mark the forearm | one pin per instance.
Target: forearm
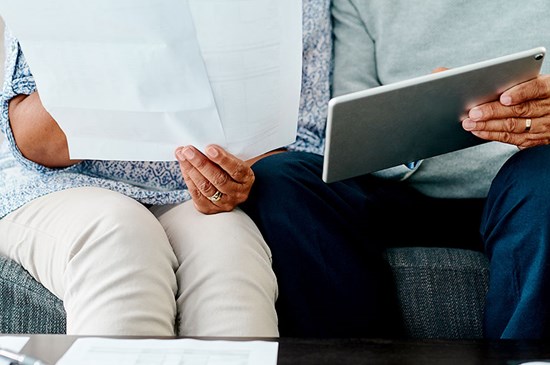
(38, 136)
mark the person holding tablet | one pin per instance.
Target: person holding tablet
(327, 239)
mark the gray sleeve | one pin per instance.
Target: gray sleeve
(355, 63)
(354, 53)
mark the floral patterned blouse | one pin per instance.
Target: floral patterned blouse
(156, 183)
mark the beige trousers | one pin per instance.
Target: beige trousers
(122, 269)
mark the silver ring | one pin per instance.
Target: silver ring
(528, 122)
(216, 197)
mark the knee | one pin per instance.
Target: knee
(287, 166)
(114, 225)
(525, 172)
(283, 174)
(235, 244)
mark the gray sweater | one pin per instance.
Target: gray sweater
(383, 41)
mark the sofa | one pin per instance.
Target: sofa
(441, 293)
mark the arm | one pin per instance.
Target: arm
(38, 136)
(355, 64)
(354, 51)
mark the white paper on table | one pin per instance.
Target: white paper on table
(104, 351)
(12, 343)
(126, 79)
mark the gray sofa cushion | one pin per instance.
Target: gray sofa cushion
(25, 305)
(441, 292)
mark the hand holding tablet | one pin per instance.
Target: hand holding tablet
(418, 118)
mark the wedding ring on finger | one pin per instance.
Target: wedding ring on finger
(528, 122)
(216, 197)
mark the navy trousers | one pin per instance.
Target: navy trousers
(327, 242)
(516, 231)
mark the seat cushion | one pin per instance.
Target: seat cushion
(26, 306)
(441, 291)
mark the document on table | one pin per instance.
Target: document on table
(134, 79)
(12, 343)
(88, 351)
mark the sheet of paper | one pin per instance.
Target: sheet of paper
(13, 343)
(88, 351)
(253, 54)
(134, 79)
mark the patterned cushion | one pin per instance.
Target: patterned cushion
(441, 292)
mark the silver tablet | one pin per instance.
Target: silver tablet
(418, 118)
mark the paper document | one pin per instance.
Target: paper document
(92, 351)
(13, 343)
(134, 79)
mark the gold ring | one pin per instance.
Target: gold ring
(528, 122)
(216, 197)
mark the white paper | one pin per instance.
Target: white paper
(92, 351)
(134, 79)
(12, 343)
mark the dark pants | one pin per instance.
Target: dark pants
(327, 242)
(516, 231)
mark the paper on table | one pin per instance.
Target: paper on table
(13, 343)
(88, 351)
(126, 79)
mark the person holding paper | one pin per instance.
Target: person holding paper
(327, 239)
(125, 244)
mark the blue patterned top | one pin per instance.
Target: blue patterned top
(154, 183)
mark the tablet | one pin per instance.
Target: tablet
(418, 118)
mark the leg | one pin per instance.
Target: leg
(327, 242)
(516, 232)
(226, 284)
(332, 281)
(103, 254)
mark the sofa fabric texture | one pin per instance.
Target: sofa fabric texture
(441, 293)
(25, 305)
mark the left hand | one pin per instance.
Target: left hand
(520, 117)
(217, 172)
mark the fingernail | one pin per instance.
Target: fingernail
(505, 99)
(475, 113)
(468, 124)
(211, 151)
(188, 153)
(179, 153)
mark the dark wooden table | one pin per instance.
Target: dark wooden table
(359, 351)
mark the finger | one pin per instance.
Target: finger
(521, 140)
(216, 177)
(495, 110)
(200, 201)
(510, 125)
(236, 168)
(202, 184)
(538, 88)
(190, 173)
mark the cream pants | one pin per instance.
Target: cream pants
(123, 269)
